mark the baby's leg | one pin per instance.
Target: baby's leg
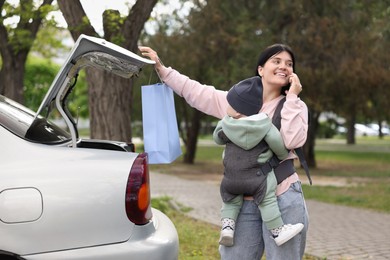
(229, 213)
(271, 215)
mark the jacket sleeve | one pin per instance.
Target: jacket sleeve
(294, 122)
(275, 143)
(216, 132)
(204, 98)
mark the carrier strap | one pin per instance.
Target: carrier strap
(286, 168)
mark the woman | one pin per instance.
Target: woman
(276, 69)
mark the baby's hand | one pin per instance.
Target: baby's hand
(264, 157)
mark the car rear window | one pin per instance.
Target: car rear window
(22, 122)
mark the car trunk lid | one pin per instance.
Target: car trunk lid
(93, 52)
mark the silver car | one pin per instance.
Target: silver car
(64, 197)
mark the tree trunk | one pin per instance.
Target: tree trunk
(11, 78)
(380, 134)
(351, 129)
(311, 137)
(110, 97)
(189, 132)
(110, 106)
(192, 137)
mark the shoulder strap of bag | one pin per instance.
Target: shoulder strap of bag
(276, 120)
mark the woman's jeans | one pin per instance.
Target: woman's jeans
(251, 236)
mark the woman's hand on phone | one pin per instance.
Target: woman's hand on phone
(295, 84)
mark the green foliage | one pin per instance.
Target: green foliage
(20, 34)
(21, 40)
(50, 42)
(214, 42)
(78, 100)
(340, 56)
(113, 22)
(326, 130)
(19, 21)
(39, 75)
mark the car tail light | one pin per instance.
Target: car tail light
(138, 192)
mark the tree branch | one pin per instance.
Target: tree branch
(34, 26)
(135, 22)
(3, 42)
(76, 18)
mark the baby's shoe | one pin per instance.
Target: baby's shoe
(227, 232)
(284, 233)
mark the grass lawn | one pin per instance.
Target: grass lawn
(364, 169)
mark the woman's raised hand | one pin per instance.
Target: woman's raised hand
(151, 54)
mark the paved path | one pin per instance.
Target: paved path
(335, 232)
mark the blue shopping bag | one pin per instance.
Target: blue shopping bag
(160, 129)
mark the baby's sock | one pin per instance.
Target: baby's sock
(275, 231)
(228, 223)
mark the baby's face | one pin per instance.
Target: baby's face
(232, 113)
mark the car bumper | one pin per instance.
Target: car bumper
(154, 241)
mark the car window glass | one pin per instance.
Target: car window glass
(20, 121)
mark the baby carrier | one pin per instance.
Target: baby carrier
(286, 168)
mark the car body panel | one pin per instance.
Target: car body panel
(158, 243)
(18, 205)
(105, 171)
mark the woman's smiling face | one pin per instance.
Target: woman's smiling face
(277, 69)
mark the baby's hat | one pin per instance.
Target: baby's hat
(246, 97)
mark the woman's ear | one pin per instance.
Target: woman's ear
(260, 71)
